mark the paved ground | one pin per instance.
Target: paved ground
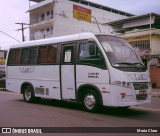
(14, 112)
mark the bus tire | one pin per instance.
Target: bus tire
(124, 108)
(28, 94)
(90, 101)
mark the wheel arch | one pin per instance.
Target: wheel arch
(24, 85)
(82, 88)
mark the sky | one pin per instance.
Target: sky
(15, 11)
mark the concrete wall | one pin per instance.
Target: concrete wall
(155, 49)
(65, 24)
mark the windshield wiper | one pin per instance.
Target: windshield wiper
(140, 64)
(127, 63)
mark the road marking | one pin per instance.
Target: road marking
(144, 108)
(7, 92)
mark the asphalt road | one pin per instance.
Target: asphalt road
(14, 112)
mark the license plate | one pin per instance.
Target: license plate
(142, 95)
(142, 92)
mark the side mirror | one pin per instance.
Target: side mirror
(90, 41)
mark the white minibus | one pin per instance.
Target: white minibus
(93, 69)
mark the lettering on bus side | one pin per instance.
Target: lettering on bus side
(26, 69)
(93, 75)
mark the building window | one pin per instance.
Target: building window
(51, 13)
(48, 13)
(42, 16)
(143, 44)
(142, 47)
(48, 29)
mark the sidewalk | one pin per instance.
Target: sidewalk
(155, 92)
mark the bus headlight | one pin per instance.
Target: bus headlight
(122, 84)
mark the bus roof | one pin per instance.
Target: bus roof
(59, 39)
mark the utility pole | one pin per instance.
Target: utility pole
(22, 29)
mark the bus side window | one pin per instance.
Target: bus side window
(32, 57)
(42, 55)
(52, 54)
(14, 57)
(89, 53)
(24, 56)
(83, 54)
(92, 50)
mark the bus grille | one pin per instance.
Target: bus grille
(140, 86)
(141, 96)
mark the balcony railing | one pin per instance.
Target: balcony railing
(40, 20)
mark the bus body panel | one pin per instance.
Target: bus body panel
(91, 74)
(46, 77)
(33, 72)
(68, 82)
(42, 88)
(129, 99)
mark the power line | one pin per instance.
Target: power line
(9, 36)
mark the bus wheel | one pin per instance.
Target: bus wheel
(90, 101)
(28, 94)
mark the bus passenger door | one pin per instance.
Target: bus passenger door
(67, 72)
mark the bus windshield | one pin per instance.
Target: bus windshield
(119, 52)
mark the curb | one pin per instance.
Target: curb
(155, 94)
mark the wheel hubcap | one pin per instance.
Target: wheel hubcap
(27, 94)
(90, 101)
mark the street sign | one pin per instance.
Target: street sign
(82, 13)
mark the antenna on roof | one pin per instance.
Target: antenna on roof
(97, 24)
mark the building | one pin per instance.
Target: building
(51, 18)
(143, 33)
